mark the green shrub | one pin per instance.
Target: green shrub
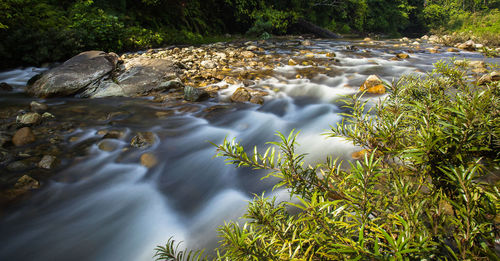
(419, 193)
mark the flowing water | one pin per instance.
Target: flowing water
(107, 206)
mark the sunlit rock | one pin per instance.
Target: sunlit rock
(373, 84)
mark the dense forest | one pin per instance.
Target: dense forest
(38, 31)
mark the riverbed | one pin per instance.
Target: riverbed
(103, 204)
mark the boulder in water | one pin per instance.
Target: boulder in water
(194, 94)
(74, 75)
(47, 162)
(373, 84)
(148, 160)
(143, 140)
(30, 118)
(38, 106)
(5, 87)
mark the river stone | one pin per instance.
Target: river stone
(148, 160)
(241, 95)
(5, 87)
(23, 137)
(26, 182)
(194, 94)
(373, 84)
(48, 115)
(74, 75)
(489, 78)
(30, 118)
(107, 145)
(47, 162)
(38, 107)
(247, 54)
(403, 55)
(143, 140)
(4, 138)
(208, 64)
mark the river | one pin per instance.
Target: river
(104, 205)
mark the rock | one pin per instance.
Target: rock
(194, 94)
(257, 99)
(247, 54)
(489, 78)
(26, 183)
(111, 134)
(415, 43)
(468, 45)
(5, 87)
(358, 155)
(452, 50)
(107, 145)
(173, 84)
(306, 43)
(148, 160)
(291, 62)
(425, 37)
(4, 138)
(47, 162)
(38, 107)
(330, 55)
(30, 118)
(208, 64)
(477, 64)
(367, 39)
(23, 137)
(373, 84)
(140, 76)
(432, 50)
(47, 115)
(478, 46)
(18, 166)
(241, 95)
(252, 48)
(143, 140)
(74, 75)
(403, 55)
(434, 39)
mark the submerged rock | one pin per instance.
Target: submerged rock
(373, 84)
(38, 107)
(23, 137)
(403, 55)
(148, 160)
(74, 75)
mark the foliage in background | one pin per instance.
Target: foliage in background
(36, 31)
(427, 188)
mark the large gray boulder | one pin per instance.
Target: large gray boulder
(138, 76)
(74, 75)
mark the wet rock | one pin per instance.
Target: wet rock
(26, 183)
(47, 162)
(373, 84)
(38, 107)
(330, 55)
(403, 55)
(5, 87)
(358, 155)
(489, 78)
(433, 50)
(107, 145)
(74, 75)
(143, 140)
(247, 54)
(252, 48)
(367, 39)
(257, 99)
(194, 94)
(241, 95)
(47, 115)
(30, 118)
(18, 166)
(148, 160)
(23, 137)
(425, 37)
(434, 39)
(111, 134)
(292, 62)
(208, 64)
(173, 84)
(306, 43)
(452, 50)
